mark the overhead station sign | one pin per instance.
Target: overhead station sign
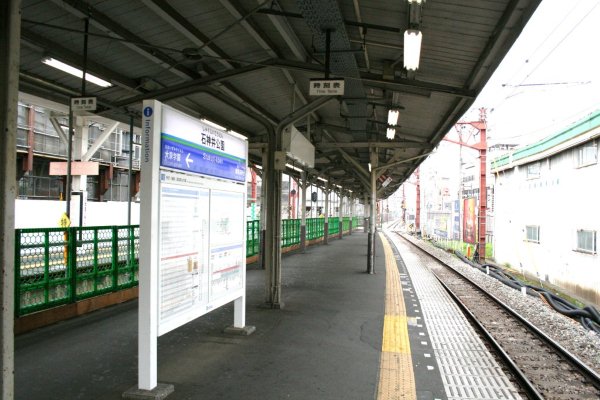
(83, 104)
(326, 87)
(190, 145)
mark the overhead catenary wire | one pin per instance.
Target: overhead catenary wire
(563, 28)
(559, 42)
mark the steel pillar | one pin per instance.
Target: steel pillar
(482, 187)
(272, 250)
(418, 211)
(263, 208)
(481, 146)
(326, 215)
(372, 215)
(341, 216)
(10, 33)
(303, 188)
(351, 210)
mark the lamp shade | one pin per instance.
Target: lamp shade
(412, 48)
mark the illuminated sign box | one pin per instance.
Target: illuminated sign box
(297, 147)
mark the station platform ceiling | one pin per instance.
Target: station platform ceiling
(247, 65)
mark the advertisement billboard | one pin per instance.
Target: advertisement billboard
(469, 221)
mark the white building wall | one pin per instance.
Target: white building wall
(47, 213)
(562, 200)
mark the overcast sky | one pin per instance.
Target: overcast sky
(550, 77)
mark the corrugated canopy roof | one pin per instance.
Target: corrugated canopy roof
(244, 63)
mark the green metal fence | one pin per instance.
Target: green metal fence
(346, 224)
(55, 266)
(252, 238)
(290, 232)
(333, 226)
(355, 222)
(315, 228)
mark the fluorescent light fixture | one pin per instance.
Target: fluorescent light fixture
(207, 122)
(391, 132)
(322, 179)
(75, 72)
(412, 48)
(369, 167)
(393, 117)
(415, 1)
(293, 167)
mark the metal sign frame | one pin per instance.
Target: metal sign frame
(187, 164)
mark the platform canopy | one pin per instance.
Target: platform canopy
(246, 64)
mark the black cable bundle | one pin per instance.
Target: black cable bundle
(588, 316)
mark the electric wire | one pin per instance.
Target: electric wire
(546, 39)
(541, 62)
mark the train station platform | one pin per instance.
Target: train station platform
(324, 344)
(342, 334)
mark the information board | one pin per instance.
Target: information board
(183, 251)
(192, 226)
(227, 256)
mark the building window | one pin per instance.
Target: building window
(533, 170)
(587, 154)
(586, 241)
(532, 233)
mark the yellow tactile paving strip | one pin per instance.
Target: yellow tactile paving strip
(396, 377)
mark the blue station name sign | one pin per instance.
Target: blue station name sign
(190, 145)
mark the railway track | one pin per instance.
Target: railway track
(542, 368)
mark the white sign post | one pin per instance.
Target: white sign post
(192, 231)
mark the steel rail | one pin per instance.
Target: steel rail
(526, 384)
(584, 369)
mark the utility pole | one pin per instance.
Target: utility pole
(403, 205)
(418, 211)
(481, 146)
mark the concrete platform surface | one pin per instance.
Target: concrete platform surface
(324, 344)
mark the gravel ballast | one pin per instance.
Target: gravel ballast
(567, 332)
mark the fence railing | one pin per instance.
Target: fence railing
(333, 226)
(55, 266)
(346, 223)
(465, 248)
(290, 232)
(315, 228)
